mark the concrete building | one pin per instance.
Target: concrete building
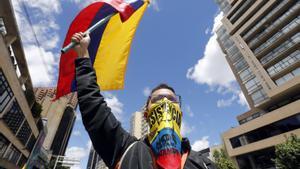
(139, 126)
(60, 115)
(95, 161)
(19, 130)
(261, 43)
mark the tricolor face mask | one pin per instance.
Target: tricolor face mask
(164, 119)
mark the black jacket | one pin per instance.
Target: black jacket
(109, 139)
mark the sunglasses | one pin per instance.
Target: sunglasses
(172, 98)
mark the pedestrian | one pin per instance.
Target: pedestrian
(162, 148)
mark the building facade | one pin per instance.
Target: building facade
(139, 125)
(60, 115)
(261, 43)
(95, 161)
(19, 130)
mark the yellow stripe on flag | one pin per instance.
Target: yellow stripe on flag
(111, 59)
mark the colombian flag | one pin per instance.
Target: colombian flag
(110, 43)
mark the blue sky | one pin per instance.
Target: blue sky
(175, 43)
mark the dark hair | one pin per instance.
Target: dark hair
(163, 86)
(160, 86)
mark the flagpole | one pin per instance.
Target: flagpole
(90, 30)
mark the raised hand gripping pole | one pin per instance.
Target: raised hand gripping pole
(90, 30)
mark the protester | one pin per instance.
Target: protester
(163, 148)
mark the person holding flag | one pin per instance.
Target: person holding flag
(164, 147)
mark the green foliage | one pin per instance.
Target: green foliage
(288, 153)
(36, 110)
(222, 160)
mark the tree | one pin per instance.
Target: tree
(222, 160)
(288, 153)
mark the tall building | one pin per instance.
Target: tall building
(139, 126)
(60, 115)
(261, 43)
(19, 130)
(95, 161)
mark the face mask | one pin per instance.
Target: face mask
(164, 119)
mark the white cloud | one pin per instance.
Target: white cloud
(213, 70)
(154, 5)
(201, 144)
(78, 153)
(146, 91)
(41, 60)
(41, 71)
(43, 20)
(217, 22)
(226, 102)
(115, 105)
(242, 100)
(89, 144)
(207, 30)
(78, 115)
(186, 129)
(83, 3)
(189, 111)
(47, 7)
(77, 133)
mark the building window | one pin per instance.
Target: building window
(241, 10)
(295, 23)
(264, 20)
(5, 92)
(271, 23)
(240, 65)
(3, 145)
(24, 133)
(224, 5)
(2, 27)
(288, 77)
(276, 128)
(235, 57)
(281, 49)
(285, 63)
(246, 74)
(261, 159)
(14, 117)
(31, 143)
(22, 161)
(252, 85)
(259, 96)
(12, 154)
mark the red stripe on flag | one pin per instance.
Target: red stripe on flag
(67, 66)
